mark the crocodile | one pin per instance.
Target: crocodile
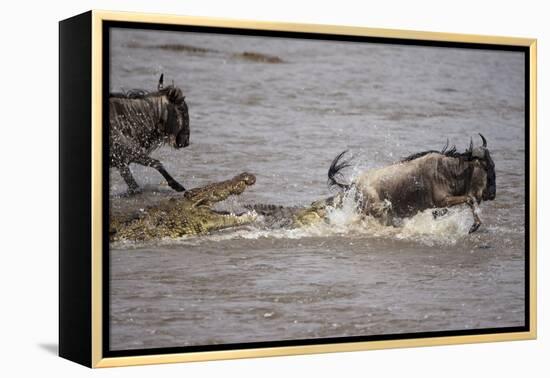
(188, 214)
(191, 213)
(290, 217)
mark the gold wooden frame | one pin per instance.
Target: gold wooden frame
(99, 16)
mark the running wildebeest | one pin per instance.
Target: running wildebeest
(141, 122)
(425, 180)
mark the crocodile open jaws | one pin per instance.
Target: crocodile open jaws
(187, 214)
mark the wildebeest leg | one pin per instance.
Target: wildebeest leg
(154, 163)
(475, 210)
(458, 200)
(453, 201)
(371, 204)
(128, 178)
(381, 210)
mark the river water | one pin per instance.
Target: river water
(284, 120)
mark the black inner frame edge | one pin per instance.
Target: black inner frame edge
(107, 25)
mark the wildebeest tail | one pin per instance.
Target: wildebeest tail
(334, 172)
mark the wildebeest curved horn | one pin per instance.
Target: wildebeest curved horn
(161, 81)
(484, 140)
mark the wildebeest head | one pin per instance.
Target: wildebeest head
(177, 122)
(483, 176)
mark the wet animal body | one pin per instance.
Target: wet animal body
(139, 123)
(425, 180)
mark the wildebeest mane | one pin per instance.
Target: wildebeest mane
(130, 94)
(173, 93)
(446, 151)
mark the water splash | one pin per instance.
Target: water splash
(348, 213)
(448, 229)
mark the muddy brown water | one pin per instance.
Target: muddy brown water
(284, 121)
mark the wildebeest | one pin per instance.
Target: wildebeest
(424, 180)
(140, 122)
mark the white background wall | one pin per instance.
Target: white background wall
(29, 189)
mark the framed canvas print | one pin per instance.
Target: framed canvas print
(235, 189)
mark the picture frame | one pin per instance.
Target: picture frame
(85, 267)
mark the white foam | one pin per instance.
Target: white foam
(447, 229)
(347, 214)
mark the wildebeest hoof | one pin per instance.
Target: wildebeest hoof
(133, 191)
(474, 227)
(439, 213)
